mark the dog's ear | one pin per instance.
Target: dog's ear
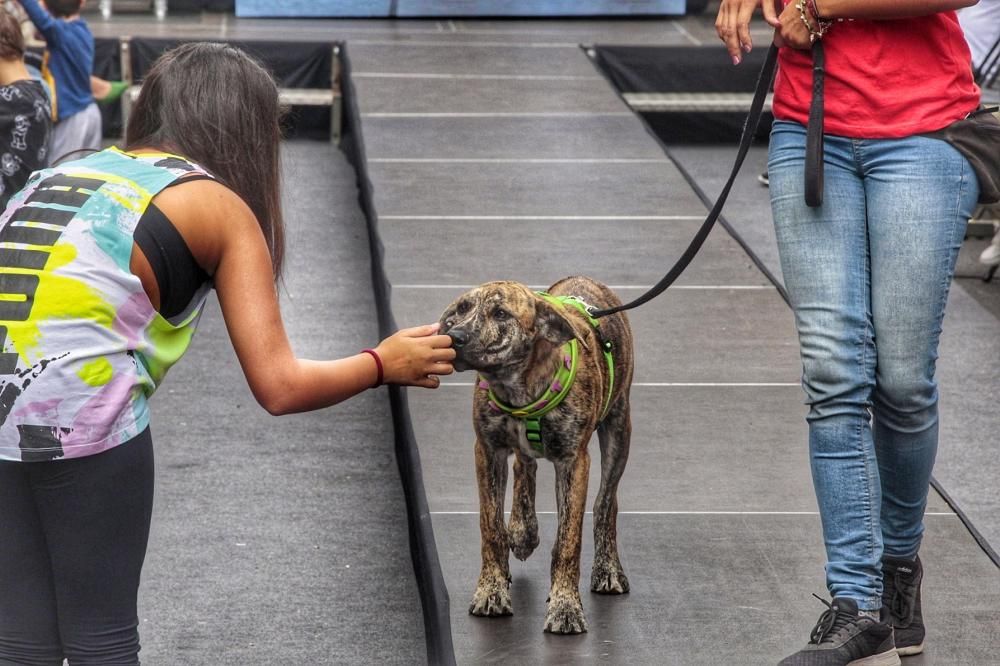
(554, 326)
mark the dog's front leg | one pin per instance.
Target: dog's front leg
(492, 596)
(565, 611)
(523, 521)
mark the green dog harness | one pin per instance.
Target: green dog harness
(561, 383)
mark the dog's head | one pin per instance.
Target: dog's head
(496, 327)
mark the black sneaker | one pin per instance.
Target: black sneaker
(901, 595)
(842, 637)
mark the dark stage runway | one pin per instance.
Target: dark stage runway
(495, 149)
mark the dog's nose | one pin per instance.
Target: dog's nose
(459, 338)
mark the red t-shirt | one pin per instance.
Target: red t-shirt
(884, 79)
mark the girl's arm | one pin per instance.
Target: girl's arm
(225, 239)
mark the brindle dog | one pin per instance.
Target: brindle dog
(514, 338)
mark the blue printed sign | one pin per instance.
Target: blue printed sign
(467, 8)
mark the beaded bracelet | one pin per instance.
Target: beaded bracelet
(814, 33)
(814, 10)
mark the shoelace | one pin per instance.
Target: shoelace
(903, 593)
(830, 622)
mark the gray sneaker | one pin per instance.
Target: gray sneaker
(991, 255)
(842, 637)
(901, 595)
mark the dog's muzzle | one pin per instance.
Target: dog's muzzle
(459, 339)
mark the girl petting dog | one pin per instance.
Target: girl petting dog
(110, 274)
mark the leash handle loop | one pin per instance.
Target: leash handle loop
(814, 131)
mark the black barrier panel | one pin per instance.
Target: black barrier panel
(293, 64)
(108, 65)
(423, 548)
(201, 5)
(686, 69)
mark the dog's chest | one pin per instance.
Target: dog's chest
(558, 434)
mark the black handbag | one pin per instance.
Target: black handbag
(977, 137)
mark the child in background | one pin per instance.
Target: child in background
(104, 91)
(25, 121)
(70, 54)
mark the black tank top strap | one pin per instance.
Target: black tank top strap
(178, 275)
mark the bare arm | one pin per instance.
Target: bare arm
(44, 21)
(887, 9)
(226, 240)
(733, 21)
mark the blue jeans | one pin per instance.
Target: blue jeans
(868, 275)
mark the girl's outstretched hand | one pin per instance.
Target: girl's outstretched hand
(733, 23)
(416, 356)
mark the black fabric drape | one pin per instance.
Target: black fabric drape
(108, 65)
(293, 64)
(686, 69)
(201, 5)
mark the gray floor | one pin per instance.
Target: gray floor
(496, 152)
(264, 528)
(478, 177)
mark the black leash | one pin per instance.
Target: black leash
(814, 132)
(764, 80)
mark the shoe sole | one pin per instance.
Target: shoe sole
(910, 650)
(890, 658)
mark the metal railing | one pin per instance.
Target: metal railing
(330, 97)
(159, 7)
(684, 102)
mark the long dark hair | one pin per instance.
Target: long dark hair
(215, 105)
(11, 39)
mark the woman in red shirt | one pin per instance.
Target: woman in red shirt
(867, 272)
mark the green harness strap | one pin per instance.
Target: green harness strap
(561, 383)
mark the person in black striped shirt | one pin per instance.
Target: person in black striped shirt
(25, 118)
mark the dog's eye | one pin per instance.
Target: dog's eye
(501, 315)
(462, 308)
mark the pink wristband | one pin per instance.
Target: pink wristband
(378, 364)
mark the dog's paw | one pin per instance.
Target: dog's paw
(565, 616)
(608, 580)
(523, 539)
(491, 601)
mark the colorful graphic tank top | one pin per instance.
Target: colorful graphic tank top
(82, 347)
